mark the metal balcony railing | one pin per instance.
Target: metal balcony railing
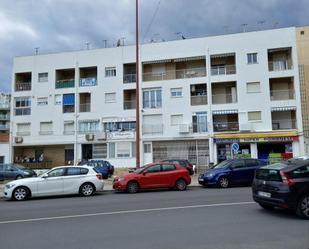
(5, 117)
(223, 99)
(65, 83)
(226, 126)
(129, 78)
(223, 70)
(129, 104)
(282, 94)
(4, 127)
(86, 107)
(283, 124)
(279, 65)
(149, 129)
(22, 86)
(175, 74)
(199, 100)
(90, 81)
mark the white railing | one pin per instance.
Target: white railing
(22, 86)
(282, 94)
(199, 100)
(224, 98)
(279, 65)
(284, 124)
(223, 69)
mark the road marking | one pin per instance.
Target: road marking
(124, 212)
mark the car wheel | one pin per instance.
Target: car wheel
(87, 189)
(132, 187)
(224, 182)
(20, 194)
(303, 207)
(266, 207)
(18, 177)
(181, 185)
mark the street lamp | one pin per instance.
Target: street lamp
(137, 141)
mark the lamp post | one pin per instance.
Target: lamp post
(137, 142)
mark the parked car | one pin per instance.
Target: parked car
(62, 180)
(283, 185)
(231, 172)
(152, 176)
(103, 166)
(184, 163)
(14, 171)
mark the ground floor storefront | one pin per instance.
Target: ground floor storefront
(271, 147)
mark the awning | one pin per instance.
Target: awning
(88, 120)
(68, 99)
(222, 55)
(282, 109)
(69, 121)
(222, 112)
(278, 50)
(190, 58)
(157, 61)
(257, 134)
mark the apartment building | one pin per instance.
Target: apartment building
(4, 127)
(197, 98)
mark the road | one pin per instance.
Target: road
(197, 218)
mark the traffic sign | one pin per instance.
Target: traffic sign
(235, 147)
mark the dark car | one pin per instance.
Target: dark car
(102, 166)
(14, 171)
(231, 172)
(283, 185)
(184, 163)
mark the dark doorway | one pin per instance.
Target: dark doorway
(1, 159)
(86, 151)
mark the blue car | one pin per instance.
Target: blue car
(231, 172)
(102, 166)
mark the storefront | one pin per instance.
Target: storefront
(269, 146)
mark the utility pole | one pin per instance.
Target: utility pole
(137, 142)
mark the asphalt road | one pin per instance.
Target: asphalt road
(197, 218)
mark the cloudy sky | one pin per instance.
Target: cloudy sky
(61, 25)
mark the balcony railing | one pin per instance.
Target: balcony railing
(84, 107)
(129, 78)
(90, 81)
(129, 104)
(223, 99)
(152, 129)
(175, 74)
(223, 70)
(44, 133)
(22, 86)
(199, 100)
(226, 126)
(282, 94)
(65, 83)
(5, 105)
(4, 127)
(23, 133)
(5, 117)
(283, 124)
(279, 65)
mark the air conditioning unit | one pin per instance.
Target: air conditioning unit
(89, 137)
(184, 128)
(101, 136)
(19, 140)
(245, 127)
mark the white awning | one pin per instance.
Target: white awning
(222, 55)
(69, 121)
(222, 112)
(156, 62)
(278, 49)
(88, 120)
(282, 109)
(190, 58)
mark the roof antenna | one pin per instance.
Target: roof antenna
(261, 24)
(36, 50)
(244, 26)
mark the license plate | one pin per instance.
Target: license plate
(264, 194)
(201, 179)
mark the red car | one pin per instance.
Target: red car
(155, 175)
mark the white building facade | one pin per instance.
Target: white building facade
(4, 127)
(197, 98)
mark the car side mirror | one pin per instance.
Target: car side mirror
(44, 176)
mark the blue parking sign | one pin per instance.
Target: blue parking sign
(235, 147)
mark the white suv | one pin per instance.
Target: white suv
(62, 180)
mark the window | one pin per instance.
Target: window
(238, 164)
(112, 151)
(68, 103)
(154, 169)
(123, 149)
(110, 97)
(42, 101)
(200, 122)
(88, 126)
(46, 128)
(76, 171)
(56, 172)
(302, 172)
(23, 129)
(253, 87)
(168, 167)
(22, 106)
(252, 58)
(255, 116)
(176, 92)
(147, 148)
(58, 99)
(120, 126)
(68, 128)
(99, 151)
(43, 77)
(110, 72)
(302, 32)
(152, 98)
(176, 119)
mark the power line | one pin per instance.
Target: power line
(152, 19)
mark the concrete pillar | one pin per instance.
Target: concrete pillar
(254, 150)
(296, 149)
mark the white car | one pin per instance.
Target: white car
(61, 180)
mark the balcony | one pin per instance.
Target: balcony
(129, 78)
(84, 107)
(199, 100)
(65, 83)
(22, 86)
(4, 127)
(4, 117)
(226, 126)
(282, 94)
(129, 73)
(282, 88)
(226, 122)
(283, 119)
(152, 129)
(90, 81)
(198, 94)
(84, 102)
(223, 69)
(88, 76)
(129, 99)
(224, 93)
(280, 59)
(284, 124)
(223, 64)
(129, 104)
(23, 81)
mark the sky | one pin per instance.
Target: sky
(64, 25)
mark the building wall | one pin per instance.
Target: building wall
(5, 152)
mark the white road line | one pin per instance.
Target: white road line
(124, 212)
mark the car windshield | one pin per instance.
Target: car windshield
(221, 165)
(140, 170)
